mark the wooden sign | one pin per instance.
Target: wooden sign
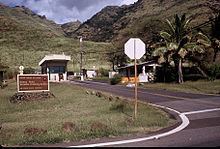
(32, 83)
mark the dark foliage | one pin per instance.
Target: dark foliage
(115, 80)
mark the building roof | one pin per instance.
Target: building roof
(149, 63)
(55, 57)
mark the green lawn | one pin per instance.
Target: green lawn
(91, 117)
(202, 87)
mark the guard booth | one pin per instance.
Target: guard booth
(55, 66)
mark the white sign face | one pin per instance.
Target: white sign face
(135, 48)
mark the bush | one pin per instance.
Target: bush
(29, 70)
(214, 72)
(10, 74)
(193, 77)
(120, 107)
(115, 80)
(104, 72)
(167, 76)
(192, 74)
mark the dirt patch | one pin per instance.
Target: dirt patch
(69, 127)
(20, 97)
(98, 126)
(99, 94)
(34, 131)
(110, 98)
(129, 121)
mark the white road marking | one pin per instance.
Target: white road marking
(202, 111)
(185, 123)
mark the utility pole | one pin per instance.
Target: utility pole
(23, 59)
(81, 58)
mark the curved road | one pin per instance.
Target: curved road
(203, 111)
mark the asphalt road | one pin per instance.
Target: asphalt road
(203, 112)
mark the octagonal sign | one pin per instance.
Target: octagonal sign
(135, 48)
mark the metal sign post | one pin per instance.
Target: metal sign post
(136, 85)
(135, 49)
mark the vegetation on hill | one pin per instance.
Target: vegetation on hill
(143, 19)
(70, 26)
(183, 44)
(26, 38)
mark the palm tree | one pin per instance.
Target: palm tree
(214, 5)
(179, 43)
(176, 38)
(216, 35)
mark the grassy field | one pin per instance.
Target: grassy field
(204, 87)
(86, 115)
(25, 38)
(30, 52)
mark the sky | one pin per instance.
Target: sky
(62, 11)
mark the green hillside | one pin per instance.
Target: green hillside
(144, 19)
(26, 37)
(148, 17)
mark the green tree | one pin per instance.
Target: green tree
(215, 35)
(214, 5)
(116, 58)
(179, 42)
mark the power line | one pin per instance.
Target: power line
(104, 52)
(120, 51)
(204, 24)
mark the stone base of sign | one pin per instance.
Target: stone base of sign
(21, 97)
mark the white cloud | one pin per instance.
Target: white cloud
(62, 11)
(49, 8)
(127, 2)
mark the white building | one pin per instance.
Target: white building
(55, 66)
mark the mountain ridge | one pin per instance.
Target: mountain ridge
(26, 37)
(143, 19)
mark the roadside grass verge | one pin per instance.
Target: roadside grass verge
(101, 79)
(201, 87)
(73, 115)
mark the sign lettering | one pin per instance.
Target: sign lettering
(32, 83)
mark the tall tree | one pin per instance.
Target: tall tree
(116, 58)
(215, 35)
(175, 38)
(214, 5)
(180, 43)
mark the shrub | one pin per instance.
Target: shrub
(11, 73)
(104, 72)
(115, 80)
(120, 107)
(193, 77)
(168, 75)
(192, 74)
(29, 70)
(214, 72)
